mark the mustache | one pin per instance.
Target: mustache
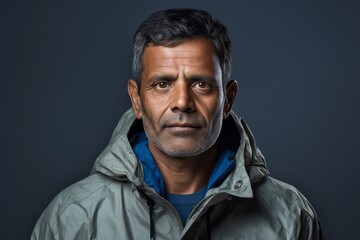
(182, 120)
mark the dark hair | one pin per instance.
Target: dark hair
(169, 27)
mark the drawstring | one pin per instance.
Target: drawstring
(150, 204)
(152, 227)
(208, 225)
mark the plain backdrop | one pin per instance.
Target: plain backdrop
(64, 69)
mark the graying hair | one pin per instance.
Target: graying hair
(170, 27)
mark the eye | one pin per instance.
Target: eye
(161, 85)
(202, 86)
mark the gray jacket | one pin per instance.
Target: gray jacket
(115, 203)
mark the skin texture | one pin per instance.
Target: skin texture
(182, 104)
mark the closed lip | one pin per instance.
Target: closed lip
(183, 125)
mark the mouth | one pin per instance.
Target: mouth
(183, 125)
(183, 129)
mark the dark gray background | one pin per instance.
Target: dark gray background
(64, 67)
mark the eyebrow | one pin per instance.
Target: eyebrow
(192, 78)
(167, 77)
(206, 78)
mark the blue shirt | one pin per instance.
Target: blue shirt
(184, 203)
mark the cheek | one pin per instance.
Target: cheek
(150, 114)
(154, 106)
(213, 110)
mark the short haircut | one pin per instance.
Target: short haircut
(170, 27)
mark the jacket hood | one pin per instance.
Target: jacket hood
(118, 160)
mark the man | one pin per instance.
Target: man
(180, 164)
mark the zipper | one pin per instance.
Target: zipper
(154, 194)
(150, 192)
(205, 201)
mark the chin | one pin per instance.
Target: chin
(181, 152)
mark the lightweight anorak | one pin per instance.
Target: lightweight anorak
(115, 202)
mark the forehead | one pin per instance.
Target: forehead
(191, 53)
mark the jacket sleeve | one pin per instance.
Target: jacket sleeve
(46, 226)
(62, 219)
(310, 227)
(61, 222)
(43, 230)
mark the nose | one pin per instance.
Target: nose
(182, 98)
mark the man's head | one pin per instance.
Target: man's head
(182, 99)
(170, 27)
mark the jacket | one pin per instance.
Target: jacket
(114, 202)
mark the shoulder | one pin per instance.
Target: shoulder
(291, 208)
(284, 195)
(89, 190)
(77, 194)
(276, 209)
(76, 204)
(90, 187)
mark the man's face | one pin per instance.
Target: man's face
(181, 99)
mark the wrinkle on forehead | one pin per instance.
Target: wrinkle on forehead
(189, 54)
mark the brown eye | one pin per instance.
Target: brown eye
(201, 85)
(162, 85)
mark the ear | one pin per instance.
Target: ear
(230, 94)
(135, 98)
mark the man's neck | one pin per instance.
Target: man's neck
(185, 175)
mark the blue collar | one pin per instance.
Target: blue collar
(152, 175)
